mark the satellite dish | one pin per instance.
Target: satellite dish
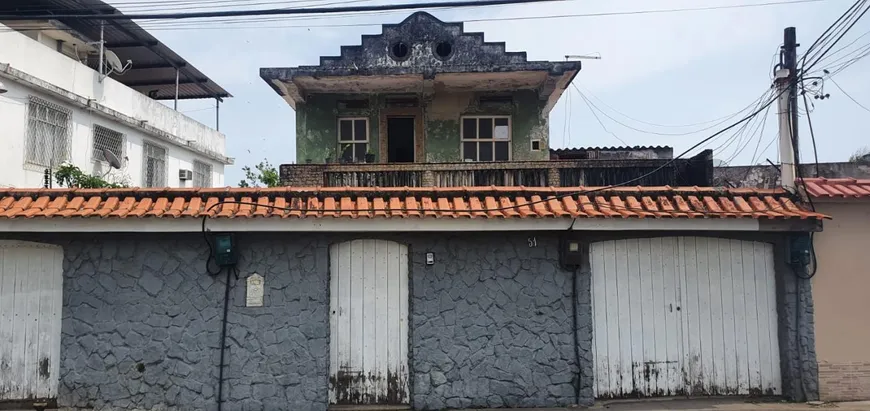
(114, 63)
(111, 158)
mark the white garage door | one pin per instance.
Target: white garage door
(368, 347)
(31, 277)
(684, 316)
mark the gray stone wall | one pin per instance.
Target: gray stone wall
(797, 341)
(492, 324)
(142, 321)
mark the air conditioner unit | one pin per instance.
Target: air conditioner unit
(185, 175)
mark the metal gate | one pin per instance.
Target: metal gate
(368, 351)
(684, 316)
(31, 279)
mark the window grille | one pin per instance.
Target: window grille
(153, 165)
(201, 174)
(106, 138)
(49, 129)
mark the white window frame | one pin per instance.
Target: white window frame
(492, 140)
(97, 156)
(62, 139)
(145, 145)
(532, 144)
(353, 120)
(206, 177)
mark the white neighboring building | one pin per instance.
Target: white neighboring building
(56, 108)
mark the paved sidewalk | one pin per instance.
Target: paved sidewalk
(709, 405)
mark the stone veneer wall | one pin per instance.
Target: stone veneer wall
(490, 323)
(142, 321)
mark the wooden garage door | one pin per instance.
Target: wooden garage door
(31, 277)
(368, 344)
(684, 316)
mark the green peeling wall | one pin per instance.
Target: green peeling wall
(317, 124)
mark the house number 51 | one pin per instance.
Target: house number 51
(533, 242)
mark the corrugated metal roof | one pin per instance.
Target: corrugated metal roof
(154, 64)
(614, 148)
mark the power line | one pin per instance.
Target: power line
(848, 95)
(812, 133)
(271, 12)
(181, 25)
(588, 104)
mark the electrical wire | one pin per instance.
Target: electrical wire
(594, 114)
(270, 12)
(849, 96)
(648, 131)
(812, 135)
(494, 19)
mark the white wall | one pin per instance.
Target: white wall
(14, 172)
(29, 56)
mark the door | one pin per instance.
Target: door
(31, 279)
(368, 348)
(400, 139)
(684, 316)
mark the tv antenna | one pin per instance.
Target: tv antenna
(593, 56)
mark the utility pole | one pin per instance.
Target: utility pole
(786, 87)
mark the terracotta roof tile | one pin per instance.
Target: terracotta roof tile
(831, 188)
(452, 202)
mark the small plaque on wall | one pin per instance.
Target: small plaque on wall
(255, 289)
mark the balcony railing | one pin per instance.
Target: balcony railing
(554, 173)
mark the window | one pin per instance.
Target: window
(486, 138)
(353, 139)
(105, 138)
(536, 145)
(48, 133)
(153, 166)
(201, 174)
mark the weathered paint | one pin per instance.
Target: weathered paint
(317, 133)
(30, 320)
(368, 323)
(684, 316)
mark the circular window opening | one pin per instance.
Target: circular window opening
(400, 51)
(443, 49)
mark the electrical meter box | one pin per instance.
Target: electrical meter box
(799, 249)
(225, 250)
(571, 253)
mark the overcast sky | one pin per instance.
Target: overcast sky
(669, 69)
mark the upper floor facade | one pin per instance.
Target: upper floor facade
(423, 91)
(59, 105)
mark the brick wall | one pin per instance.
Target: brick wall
(844, 381)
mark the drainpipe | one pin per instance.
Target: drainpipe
(176, 89)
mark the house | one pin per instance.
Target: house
(842, 326)
(427, 104)
(423, 298)
(61, 105)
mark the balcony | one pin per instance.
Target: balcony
(74, 84)
(697, 170)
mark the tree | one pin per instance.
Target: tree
(861, 156)
(264, 173)
(73, 177)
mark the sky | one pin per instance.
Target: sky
(662, 78)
